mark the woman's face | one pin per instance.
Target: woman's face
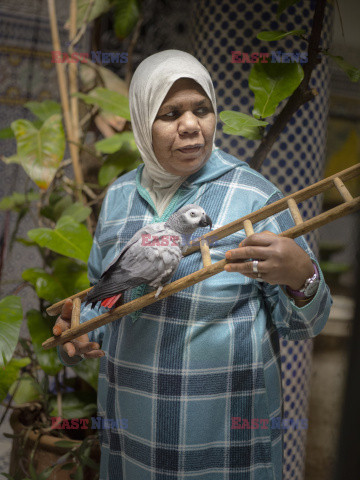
(183, 129)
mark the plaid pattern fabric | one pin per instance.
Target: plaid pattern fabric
(180, 369)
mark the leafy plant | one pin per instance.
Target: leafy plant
(33, 379)
(39, 150)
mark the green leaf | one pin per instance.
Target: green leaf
(241, 124)
(239, 120)
(284, 4)
(108, 100)
(78, 475)
(26, 390)
(71, 275)
(116, 142)
(110, 144)
(17, 200)
(123, 160)
(48, 210)
(6, 133)
(77, 211)
(272, 83)
(126, 16)
(40, 330)
(27, 243)
(9, 374)
(39, 151)
(32, 472)
(69, 238)
(59, 206)
(272, 35)
(90, 463)
(124, 156)
(11, 316)
(352, 72)
(45, 109)
(75, 405)
(66, 279)
(66, 443)
(46, 286)
(45, 474)
(66, 206)
(254, 133)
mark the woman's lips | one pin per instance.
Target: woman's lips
(190, 150)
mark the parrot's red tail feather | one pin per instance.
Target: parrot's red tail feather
(110, 302)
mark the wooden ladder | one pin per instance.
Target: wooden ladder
(203, 243)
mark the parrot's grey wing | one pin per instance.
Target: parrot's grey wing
(138, 263)
(148, 262)
(148, 229)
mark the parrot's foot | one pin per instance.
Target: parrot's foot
(158, 291)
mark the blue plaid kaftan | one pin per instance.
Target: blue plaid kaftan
(180, 369)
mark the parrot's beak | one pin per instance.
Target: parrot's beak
(206, 222)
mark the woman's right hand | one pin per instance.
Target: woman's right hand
(81, 344)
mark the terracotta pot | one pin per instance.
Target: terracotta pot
(47, 453)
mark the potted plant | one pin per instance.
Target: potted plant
(42, 394)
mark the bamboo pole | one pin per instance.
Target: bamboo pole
(61, 75)
(73, 79)
(193, 278)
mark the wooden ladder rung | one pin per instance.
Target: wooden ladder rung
(75, 314)
(344, 192)
(205, 253)
(248, 227)
(295, 212)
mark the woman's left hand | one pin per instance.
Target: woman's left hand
(280, 260)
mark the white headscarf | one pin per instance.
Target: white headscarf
(148, 88)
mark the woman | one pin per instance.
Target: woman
(183, 370)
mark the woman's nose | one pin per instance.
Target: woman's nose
(189, 123)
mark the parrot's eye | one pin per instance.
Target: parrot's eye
(192, 214)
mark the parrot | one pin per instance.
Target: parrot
(151, 256)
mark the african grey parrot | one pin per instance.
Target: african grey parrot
(151, 257)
